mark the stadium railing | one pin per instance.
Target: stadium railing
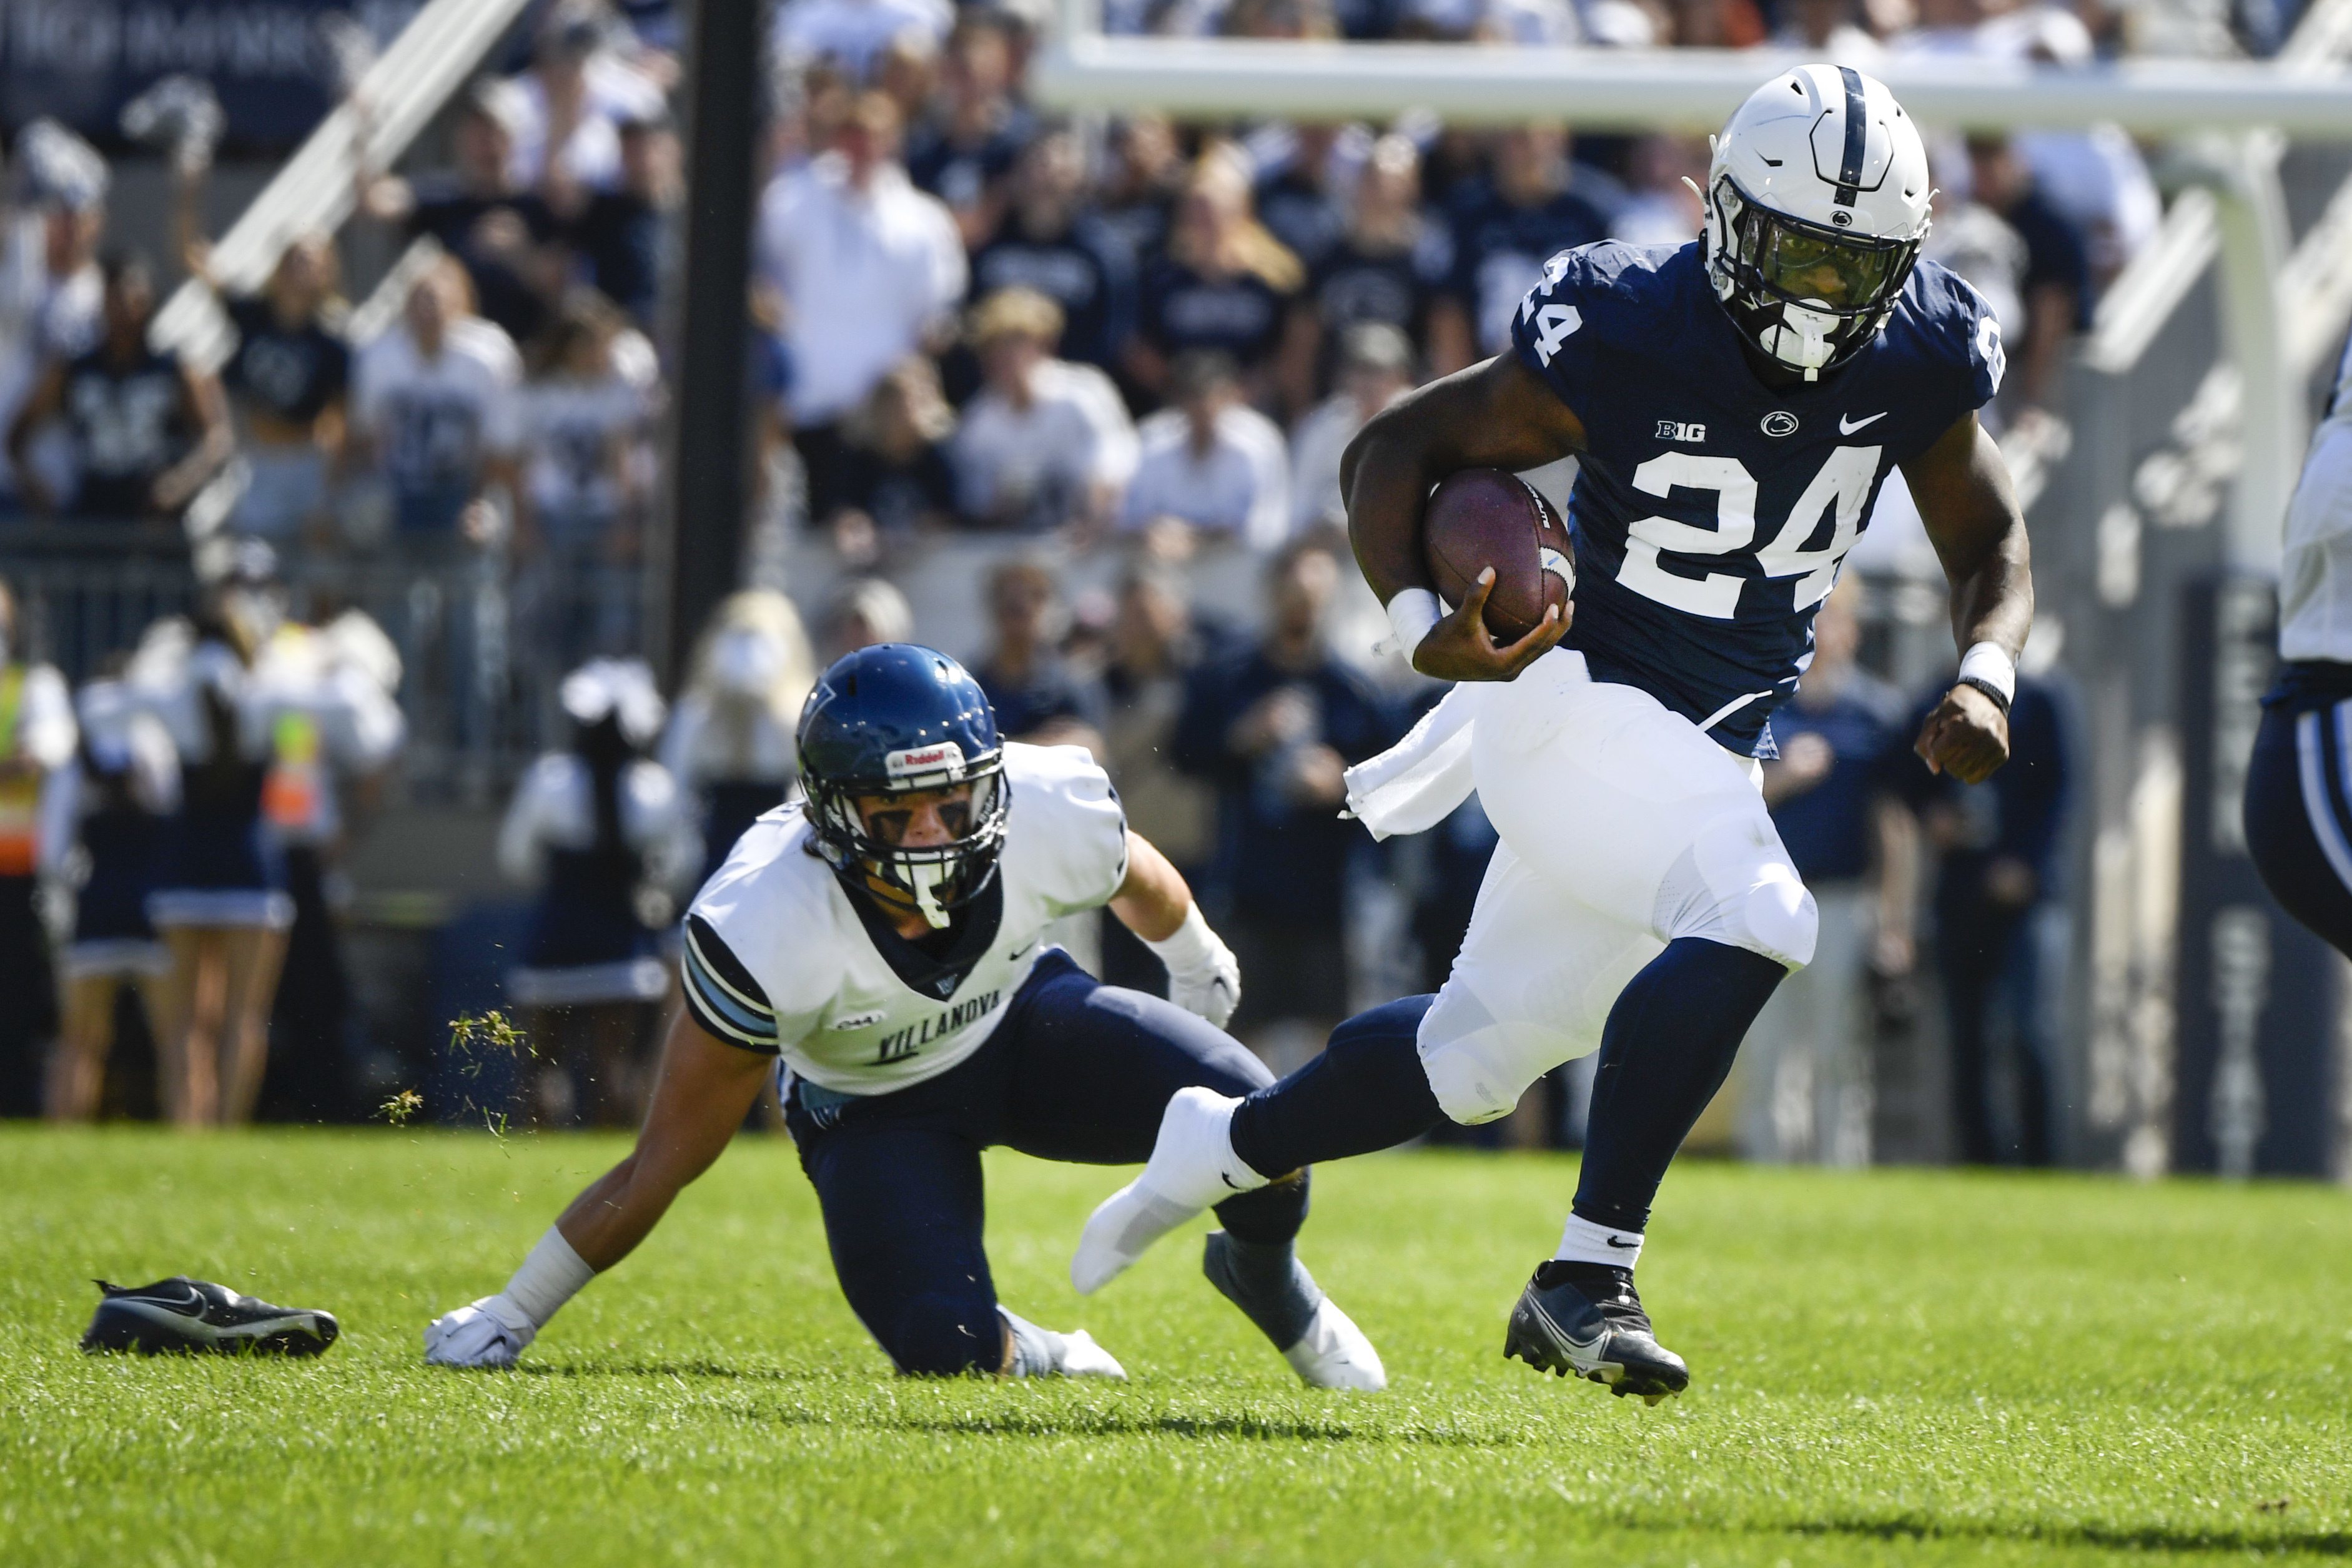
(484, 642)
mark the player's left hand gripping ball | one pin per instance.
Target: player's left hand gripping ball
(492, 1331)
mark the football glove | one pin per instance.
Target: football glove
(1203, 976)
(492, 1331)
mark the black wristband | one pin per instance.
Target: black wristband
(2000, 698)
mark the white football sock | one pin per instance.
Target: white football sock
(1581, 1241)
(551, 1276)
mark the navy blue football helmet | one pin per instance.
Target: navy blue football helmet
(889, 719)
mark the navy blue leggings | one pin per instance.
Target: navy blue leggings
(2299, 813)
(1078, 1071)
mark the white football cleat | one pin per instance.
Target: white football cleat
(1334, 1354)
(490, 1333)
(1192, 1166)
(1082, 1357)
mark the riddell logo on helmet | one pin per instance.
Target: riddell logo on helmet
(947, 756)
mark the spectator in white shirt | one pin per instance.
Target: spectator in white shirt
(434, 405)
(2095, 177)
(50, 291)
(1375, 369)
(1212, 463)
(584, 421)
(1829, 30)
(868, 269)
(1046, 442)
(577, 95)
(851, 34)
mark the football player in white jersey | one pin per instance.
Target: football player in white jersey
(2299, 783)
(880, 950)
(1735, 404)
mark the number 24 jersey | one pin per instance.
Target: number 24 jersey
(1711, 512)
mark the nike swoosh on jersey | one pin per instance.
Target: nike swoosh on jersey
(1016, 957)
(1846, 429)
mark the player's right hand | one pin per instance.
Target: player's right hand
(492, 1331)
(1210, 987)
(1966, 737)
(1460, 648)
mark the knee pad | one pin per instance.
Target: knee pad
(947, 1335)
(1735, 885)
(1477, 1065)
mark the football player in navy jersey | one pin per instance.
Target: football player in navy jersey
(1736, 405)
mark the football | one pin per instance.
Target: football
(1483, 517)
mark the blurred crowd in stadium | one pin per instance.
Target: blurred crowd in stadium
(1106, 367)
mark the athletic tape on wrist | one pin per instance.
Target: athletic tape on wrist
(1191, 946)
(1411, 615)
(551, 1276)
(1990, 662)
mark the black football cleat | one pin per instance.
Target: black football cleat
(1586, 1318)
(194, 1316)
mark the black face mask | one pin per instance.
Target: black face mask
(1806, 296)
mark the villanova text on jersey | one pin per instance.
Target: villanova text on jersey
(1710, 511)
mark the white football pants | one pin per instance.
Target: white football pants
(1623, 827)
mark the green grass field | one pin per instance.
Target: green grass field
(1889, 1368)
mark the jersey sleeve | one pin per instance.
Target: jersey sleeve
(1966, 338)
(1077, 822)
(1552, 333)
(756, 967)
(722, 994)
(1988, 357)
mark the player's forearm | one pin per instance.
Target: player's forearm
(1154, 899)
(606, 1222)
(1492, 415)
(1964, 496)
(1995, 603)
(705, 1090)
(1384, 474)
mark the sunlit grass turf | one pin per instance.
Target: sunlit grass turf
(1891, 1368)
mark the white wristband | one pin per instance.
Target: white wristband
(1411, 615)
(1189, 947)
(551, 1276)
(1990, 662)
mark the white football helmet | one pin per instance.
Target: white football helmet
(1816, 203)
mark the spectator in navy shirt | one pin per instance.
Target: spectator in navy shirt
(481, 215)
(1225, 284)
(2057, 283)
(1388, 268)
(893, 479)
(967, 161)
(1137, 195)
(1275, 728)
(1037, 696)
(287, 380)
(1048, 246)
(1298, 196)
(1804, 1074)
(1537, 204)
(1997, 880)
(619, 236)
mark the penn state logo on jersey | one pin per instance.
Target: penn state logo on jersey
(1711, 512)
